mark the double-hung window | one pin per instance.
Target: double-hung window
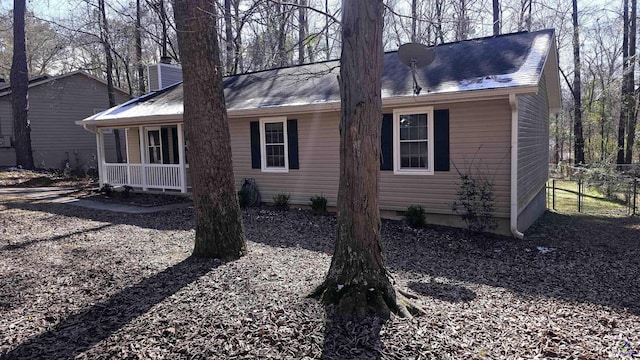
(273, 136)
(413, 141)
(154, 145)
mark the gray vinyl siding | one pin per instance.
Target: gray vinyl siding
(53, 109)
(167, 74)
(475, 127)
(152, 71)
(533, 145)
(7, 155)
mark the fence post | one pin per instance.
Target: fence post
(579, 195)
(635, 195)
(553, 194)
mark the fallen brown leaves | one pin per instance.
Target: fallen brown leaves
(79, 283)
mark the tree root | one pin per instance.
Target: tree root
(359, 301)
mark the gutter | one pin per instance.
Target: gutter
(86, 127)
(513, 218)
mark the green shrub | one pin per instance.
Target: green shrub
(415, 215)
(243, 198)
(319, 203)
(281, 201)
(607, 181)
(476, 203)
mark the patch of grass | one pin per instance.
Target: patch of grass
(592, 201)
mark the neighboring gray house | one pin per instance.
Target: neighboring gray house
(486, 100)
(55, 104)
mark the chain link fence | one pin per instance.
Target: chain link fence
(611, 197)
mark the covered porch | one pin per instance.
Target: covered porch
(154, 158)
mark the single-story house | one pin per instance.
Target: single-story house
(484, 104)
(55, 104)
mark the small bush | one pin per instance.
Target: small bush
(281, 201)
(243, 198)
(415, 215)
(319, 203)
(476, 201)
(249, 194)
(106, 189)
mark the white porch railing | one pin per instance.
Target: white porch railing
(153, 176)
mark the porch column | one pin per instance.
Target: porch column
(126, 150)
(183, 170)
(143, 159)
(102, 176)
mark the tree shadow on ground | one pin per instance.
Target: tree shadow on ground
(24, 244)
(351, 338)
(447, 292)
(78, 332)
(576, 258)
(181, 219)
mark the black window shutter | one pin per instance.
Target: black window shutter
(292, 140)
(174, 138)
(255, 144)
(386, 143)
(441, 145)
(164, 135)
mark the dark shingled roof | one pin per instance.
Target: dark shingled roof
(504, 61)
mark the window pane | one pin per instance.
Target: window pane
(274, 133)
(414, 154)
(275, 155)
(154, 138)
(413, 127)
(422, 132)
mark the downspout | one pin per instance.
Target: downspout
(89, 129)
(513, 218)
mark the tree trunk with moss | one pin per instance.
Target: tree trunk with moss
(357, 281)
(219, 232)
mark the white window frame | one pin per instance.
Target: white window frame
(146, 140)
(397, 169)
(263, 144)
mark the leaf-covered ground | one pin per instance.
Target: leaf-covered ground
(79, 283)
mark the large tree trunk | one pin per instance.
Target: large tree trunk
(439, 20)
(632, 119)
(624, 94)
(228, 31)
(357, 280)
(219, 232)
(163, 21)
(577, 91)
(138, 36)
(496, 17)
(302, 29)
(19, 78)
(414, 20)
(110, 90)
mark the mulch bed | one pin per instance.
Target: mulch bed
(144, 199)
(80, 283)
(41, 178)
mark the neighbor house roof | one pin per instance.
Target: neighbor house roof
(5, 88)
(513, 62)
